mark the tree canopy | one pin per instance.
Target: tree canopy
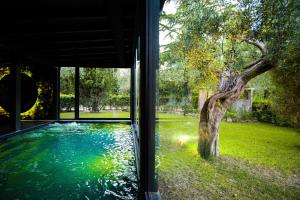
(216, 39)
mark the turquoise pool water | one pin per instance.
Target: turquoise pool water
(69, 161)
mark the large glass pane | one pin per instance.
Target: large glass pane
(104, 93)
(67, 92)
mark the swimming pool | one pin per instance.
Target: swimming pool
(69, 161)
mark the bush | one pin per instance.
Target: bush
(245, 115)
(261, 110)
(163, 101)
(195, 99)
(120, 101)
(230, 113)
(234, 115)
(67, 101)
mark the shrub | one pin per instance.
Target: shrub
(195, 99)
(230, 113)
(245, 115)
(120, 101)
(67, 101)
(261, 110)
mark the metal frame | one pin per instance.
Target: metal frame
(15, 116)
(77, 97)
(77, 82)
(132, 95)
(149, 34)
(57, 91)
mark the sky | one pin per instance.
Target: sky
(169, 8)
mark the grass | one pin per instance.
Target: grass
(115, 114)
(257, 161)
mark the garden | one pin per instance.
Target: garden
(230, 73)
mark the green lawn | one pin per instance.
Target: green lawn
(116, 114)
(257, 161)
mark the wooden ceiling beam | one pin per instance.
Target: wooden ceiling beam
(116, 25)
(24, 53)
(85, 54)
(53, 20)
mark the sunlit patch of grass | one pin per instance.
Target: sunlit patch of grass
(257, 161)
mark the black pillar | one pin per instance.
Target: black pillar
(77, 93)
(149, 61)
(16, 98)
(57, 91)
(132, 95)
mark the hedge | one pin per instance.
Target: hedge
(261, 110)
(67, 101)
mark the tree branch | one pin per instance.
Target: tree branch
(258, 67)
(257, 43)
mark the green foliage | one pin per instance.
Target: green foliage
(279, 90)
(195, 99)
(245, 115)
(284, 95)
(99, 87)
(120, 101)
(208, 43)
(67, 101)
(262, 111)
(174, 92)
(67, 80)
(230, 113)
(171, 81)
(262, 86)
(96, 85)
(238, 115)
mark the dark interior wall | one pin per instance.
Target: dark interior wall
(45, 79)
(38, 93)
(3, 113)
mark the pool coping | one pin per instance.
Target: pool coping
(19, 132)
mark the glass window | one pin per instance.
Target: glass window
(67, 92)
(104, 93)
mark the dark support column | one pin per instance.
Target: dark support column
(77, 93)
(57, 93)
(149, 63)
(132, 95)
(16, 98)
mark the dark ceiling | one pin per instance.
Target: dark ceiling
(87, 33)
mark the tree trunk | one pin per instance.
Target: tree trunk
(215, 107)
(202, 97)
(95, 106)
